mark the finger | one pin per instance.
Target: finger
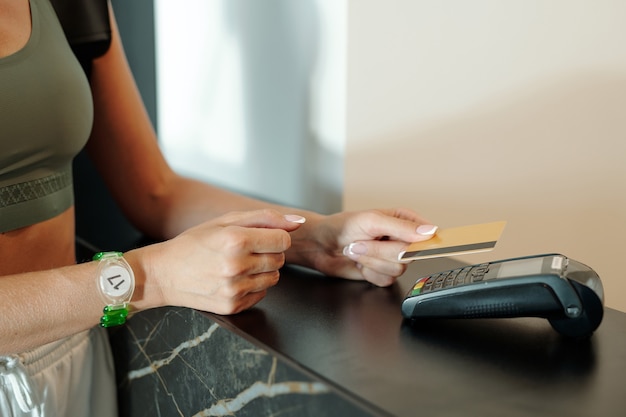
(406, 214)
(267, 263)
(249, 284)
(256, 287)
(263, 281)
(266, 218)
(376, 277)
(380, 223)
(250, 300)
(241, 241)
(378, 260)
(379, 271)
(383, 249)
(235, 306)
(236, 289)
(242, 264)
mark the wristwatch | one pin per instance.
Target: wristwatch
(116, 283)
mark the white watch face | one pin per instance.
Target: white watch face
(116, 282)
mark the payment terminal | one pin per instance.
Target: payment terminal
(566, 292)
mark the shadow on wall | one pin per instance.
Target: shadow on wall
(548, 159)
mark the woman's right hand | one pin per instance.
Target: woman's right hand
(223, 266)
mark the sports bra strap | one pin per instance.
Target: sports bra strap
(87, 27)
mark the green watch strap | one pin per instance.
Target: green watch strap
(116, 282)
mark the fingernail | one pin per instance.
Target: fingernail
(426, 230)
(294, 218)
(355, 249)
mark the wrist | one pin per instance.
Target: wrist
(147, 293)
(307, 243)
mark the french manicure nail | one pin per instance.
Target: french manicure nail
(294, 218)
(426, 230)
(356, 249)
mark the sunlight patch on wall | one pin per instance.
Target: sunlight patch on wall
(251, 95)
(199, 80)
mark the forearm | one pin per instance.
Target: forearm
(191, 202)
(43, 306)
(40, 307)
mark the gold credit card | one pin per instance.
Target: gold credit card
(456, 241)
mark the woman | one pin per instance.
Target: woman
(220, 251)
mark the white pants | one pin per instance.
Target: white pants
(72, 377)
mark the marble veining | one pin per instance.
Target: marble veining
(262, 389)
(179, 362)
(154, 366)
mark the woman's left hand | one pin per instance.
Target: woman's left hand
(362, 245)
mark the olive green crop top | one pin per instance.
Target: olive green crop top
(46, 116)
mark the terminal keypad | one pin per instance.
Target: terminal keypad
(448, 279)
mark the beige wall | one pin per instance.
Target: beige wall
(476, 111)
